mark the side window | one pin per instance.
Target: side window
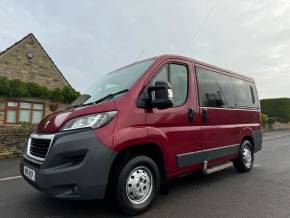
(246, 94)
(177, 76)
(162, 75)
(257, 101)
(178, 79)
(215, 89)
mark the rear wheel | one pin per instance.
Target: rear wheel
(245, 161)
(137, 184)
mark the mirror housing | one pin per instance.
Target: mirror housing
(160, 95)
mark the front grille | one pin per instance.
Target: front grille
(38, 146)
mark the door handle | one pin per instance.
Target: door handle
(205, 115)
(191, 115)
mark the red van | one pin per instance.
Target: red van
(140, 126)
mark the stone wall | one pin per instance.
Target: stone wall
(276, 125)
(2, 106)
(26, 60)
(13, 139)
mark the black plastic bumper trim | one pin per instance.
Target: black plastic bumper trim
(76, 159)
(192, 158)
(258, 138)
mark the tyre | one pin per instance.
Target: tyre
(137, 184)
(245, 161)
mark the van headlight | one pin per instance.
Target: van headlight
(93, 121)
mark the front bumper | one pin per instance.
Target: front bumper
(76, 167)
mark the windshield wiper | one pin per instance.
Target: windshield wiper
(110, 96)
(107, 97)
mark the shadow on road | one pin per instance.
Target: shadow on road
(179, 187)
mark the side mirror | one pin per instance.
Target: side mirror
(161, 95)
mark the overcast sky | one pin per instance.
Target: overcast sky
(87, 39)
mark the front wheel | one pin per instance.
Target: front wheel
(244, 163)
(137, 184)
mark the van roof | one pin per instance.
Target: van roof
(166, 56)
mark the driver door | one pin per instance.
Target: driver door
(182, 131)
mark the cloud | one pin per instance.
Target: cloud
(87, 39)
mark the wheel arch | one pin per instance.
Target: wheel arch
(250, 139)
(247, 134)
(151, 150)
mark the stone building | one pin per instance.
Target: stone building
(27, 61)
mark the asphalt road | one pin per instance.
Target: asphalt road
(264, 192)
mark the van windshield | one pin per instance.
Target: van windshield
(117, 81)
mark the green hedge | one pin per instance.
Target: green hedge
(276, 107)
(17, 88)
(264, 118)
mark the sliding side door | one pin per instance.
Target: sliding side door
(220, 134)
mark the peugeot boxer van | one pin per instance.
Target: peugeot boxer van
(141, 125)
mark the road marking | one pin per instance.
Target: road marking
(275, 137)
(10, 178)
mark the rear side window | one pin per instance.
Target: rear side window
(246, 94)
(177, 76)
(257, 101)
(215, 89)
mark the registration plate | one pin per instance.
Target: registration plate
(29, 173)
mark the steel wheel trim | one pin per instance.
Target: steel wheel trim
(139, 185)
(247, 156)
